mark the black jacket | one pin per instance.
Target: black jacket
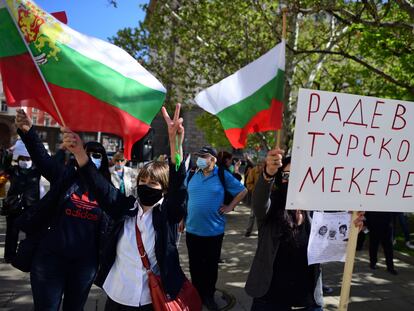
(165, 218)
(24, 184)
(270, 234)
(68, 211)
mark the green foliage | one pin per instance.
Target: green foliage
(213, 130)
(343, 46)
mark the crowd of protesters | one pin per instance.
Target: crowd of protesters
(85, 227)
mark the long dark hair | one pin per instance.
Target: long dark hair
(94, 146)
(222, 157)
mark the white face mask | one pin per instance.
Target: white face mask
(25, 164)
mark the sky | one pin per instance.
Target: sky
(97, 18)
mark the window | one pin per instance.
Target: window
(35, 110)
(47, 121)
(34, 120)
(88, 137)
(42, 135)
(3, 106)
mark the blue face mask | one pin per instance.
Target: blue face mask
(202, 163)
(97, 162)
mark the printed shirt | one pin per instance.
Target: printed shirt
(205, 197)
(127, 281)
(80, 222)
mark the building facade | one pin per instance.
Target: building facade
(7, 128)
(47, 128)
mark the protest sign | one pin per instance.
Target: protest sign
(352, 152)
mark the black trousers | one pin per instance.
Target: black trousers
(384, 237)
(204, 255)
(111, 305)
(12, 237)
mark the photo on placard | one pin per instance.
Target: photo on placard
(332, 234)
(323, 230)
(343, 231)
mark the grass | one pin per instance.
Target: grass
(400, 245)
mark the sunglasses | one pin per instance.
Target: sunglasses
(95, 155)
(119, 160)
(285, 175)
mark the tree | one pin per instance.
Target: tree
(363, 47)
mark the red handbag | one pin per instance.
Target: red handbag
(187, 299)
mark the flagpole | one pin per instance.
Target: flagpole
(36, 65)
(284, 12)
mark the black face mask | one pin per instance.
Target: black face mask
(148, 196)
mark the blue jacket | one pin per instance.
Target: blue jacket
(165, 218)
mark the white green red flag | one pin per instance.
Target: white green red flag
(96, 85)
(251, 99)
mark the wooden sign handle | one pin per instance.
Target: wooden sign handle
(349, 264)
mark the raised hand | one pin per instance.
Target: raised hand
(237, 166)
(22, 121)
(73, 143)
(175, 126)
(175, 132)
(273, 161)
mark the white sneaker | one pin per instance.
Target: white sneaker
(409, 245)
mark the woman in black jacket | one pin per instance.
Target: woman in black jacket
(280, 278)
(155, 213)
(69, 225)
(23, 193)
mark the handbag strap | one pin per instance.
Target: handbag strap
(141, 249)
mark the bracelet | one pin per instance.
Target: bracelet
(268, 176)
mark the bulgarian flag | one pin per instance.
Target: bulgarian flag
(95, 85)
(251, 99)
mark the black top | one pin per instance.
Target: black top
(273, 271)
(379, 221)
(75, 226)
(292, 282)
(24, 183)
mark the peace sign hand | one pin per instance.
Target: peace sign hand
(175, 126)
(175, 133)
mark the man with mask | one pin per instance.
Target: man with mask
(23, 193)
(123, 177)
(206, 220)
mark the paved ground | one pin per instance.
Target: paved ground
(378, 291)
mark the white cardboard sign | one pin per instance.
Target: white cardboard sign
(351, 153)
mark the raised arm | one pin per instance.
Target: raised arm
(110, 199)
(175, 133)
(261, 193)
(49, 167)
(177, 193)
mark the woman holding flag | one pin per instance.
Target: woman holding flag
(68, 224)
